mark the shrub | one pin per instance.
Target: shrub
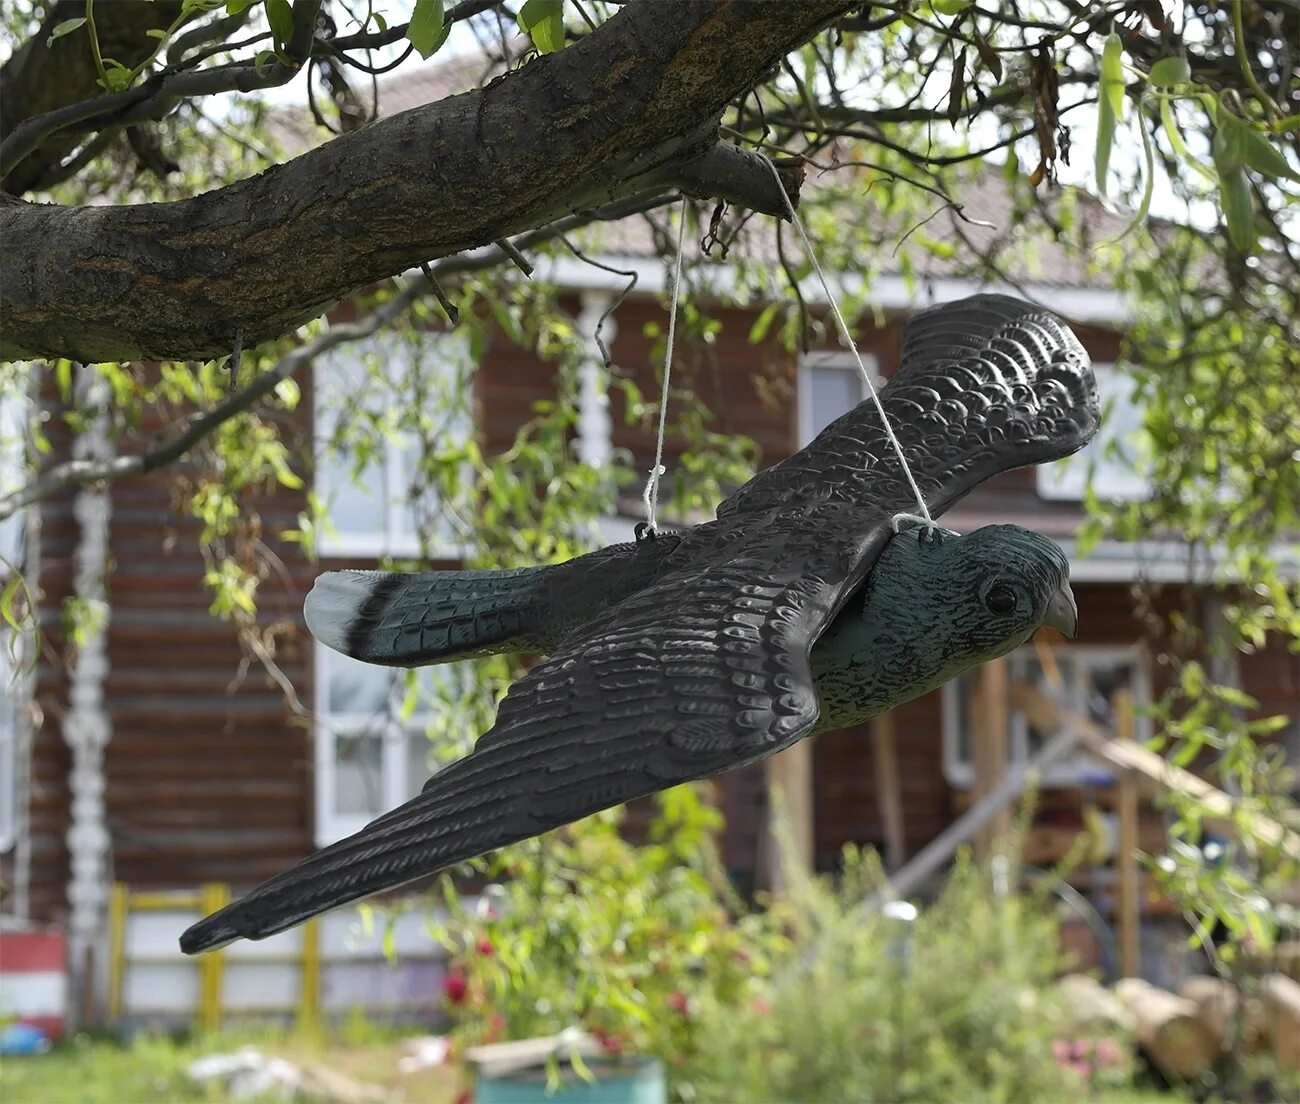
(956, 1005)
(633, 943)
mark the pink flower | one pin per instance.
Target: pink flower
(455, 987)
(1061, 1051)
(1083, 1069)
(762, 1007)
(678, 1003)
(485, 946)
(1109, 1052)
(610, 1044)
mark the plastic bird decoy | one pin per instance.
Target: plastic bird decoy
(798, 609)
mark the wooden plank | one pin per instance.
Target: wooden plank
(1151, 770)
(931, 857)
(1126, 860)
(889, 796)
(789, 780)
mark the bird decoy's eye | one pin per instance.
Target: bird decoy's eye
(1000, 599)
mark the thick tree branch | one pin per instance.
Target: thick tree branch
(72, 473)
(629, 108)
(41, 78)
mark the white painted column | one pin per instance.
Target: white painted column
(595, 427)
(86, 726)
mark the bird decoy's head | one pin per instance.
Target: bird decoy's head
(935, 606)
(982, 594)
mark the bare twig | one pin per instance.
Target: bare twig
(516, 258)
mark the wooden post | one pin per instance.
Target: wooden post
(990, 737)
(790, 797)
(1128, 902)
(889, 792)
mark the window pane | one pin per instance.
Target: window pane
(352, 687)
(1116, 458)
(358, 772)
(417, 763)
(831, 392)
(355, 505)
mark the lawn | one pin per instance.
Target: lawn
(151, 1070)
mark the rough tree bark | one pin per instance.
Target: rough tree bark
(632, 108)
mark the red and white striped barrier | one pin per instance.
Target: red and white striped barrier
(34, 979)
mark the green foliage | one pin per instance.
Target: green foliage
(634, 943)
(957, 1006)
(543, 22)
(1217, 367)
(426, 31)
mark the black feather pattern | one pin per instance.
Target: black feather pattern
(704, 665)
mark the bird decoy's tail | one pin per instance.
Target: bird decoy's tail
(398, 619)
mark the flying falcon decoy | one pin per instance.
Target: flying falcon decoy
(798, 609)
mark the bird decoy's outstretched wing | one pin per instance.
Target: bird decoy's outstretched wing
(696, 674)
(985, 384)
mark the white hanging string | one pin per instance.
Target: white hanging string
(651, 495)
(922, 517)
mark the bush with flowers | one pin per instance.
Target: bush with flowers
(633, 943)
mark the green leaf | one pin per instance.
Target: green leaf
(381, 22)
(1260, 153)
(950, 7)
(116, 75)
(234, 7)
(1228, 147)
(65, 28)
(279, 14)
(1105, 139)
(1170, 71)
(1238, 207)
(543, 22)
(427, 29)
(1112, 74)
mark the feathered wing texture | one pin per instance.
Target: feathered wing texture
(706, 667)
(985, 384)
(683, 680)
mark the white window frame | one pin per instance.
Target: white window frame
(1067, 480)
(13, 688)
(840, 360)
(389, 540)
(1064, 773)
(393, 732)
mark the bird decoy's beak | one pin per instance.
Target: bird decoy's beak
(1062, 613)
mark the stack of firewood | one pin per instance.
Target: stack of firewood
(1186, 1033)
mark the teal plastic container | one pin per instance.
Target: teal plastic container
(625, 1083)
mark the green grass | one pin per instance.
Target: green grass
(151, 1069)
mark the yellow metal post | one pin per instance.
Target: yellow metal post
(213, 896)
(309, 994)
(117, 908)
